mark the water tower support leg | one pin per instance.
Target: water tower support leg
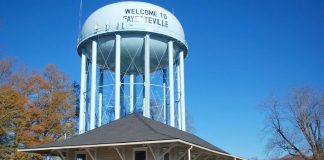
(93, 84)
(171, 82)
(82, 93)
(143, 95)
(117, 78)
(183, 100)
(131, 93)
(146, 109)
(101, 74)
(122, 95)
(164, 96)
(87, 98)
(178, 98)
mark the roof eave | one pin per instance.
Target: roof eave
(129, 143)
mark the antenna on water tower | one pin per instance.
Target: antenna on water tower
(80, 19)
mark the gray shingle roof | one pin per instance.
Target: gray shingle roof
(132, 128)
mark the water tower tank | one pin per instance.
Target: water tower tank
(132, 20)
(132, 60)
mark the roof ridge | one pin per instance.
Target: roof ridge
(142, 120)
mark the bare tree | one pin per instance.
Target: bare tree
(157, 114)
(6, 65)
(294, 123)
(190, 127)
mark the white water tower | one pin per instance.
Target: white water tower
(132, 60)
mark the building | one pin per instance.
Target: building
(134, 137)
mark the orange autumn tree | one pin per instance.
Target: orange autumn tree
(34, 108)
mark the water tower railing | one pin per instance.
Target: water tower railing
(129, 27)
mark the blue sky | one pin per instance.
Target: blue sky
(239, 53)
